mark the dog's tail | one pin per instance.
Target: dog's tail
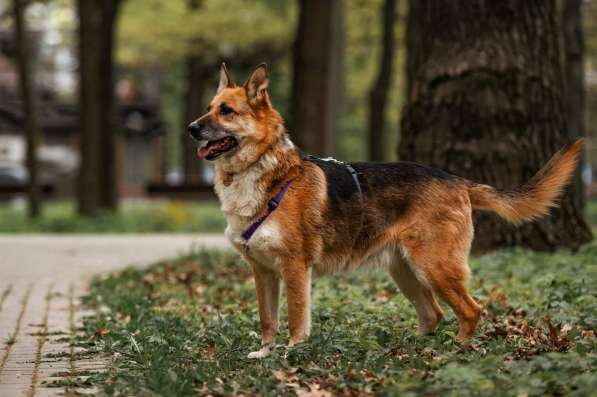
(537, 196)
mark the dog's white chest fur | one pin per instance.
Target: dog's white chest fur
(262, 245)
(241, 200)
(241, 197)
(245, 194)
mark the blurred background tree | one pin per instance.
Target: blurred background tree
(24, 58)
(378, 97)
(486, 100)
(317, 75)
(98, 185)
(574, 80)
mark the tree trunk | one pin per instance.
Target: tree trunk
(574, 79)
(198, 77)
(26, 86)
(379, 93)
(485, 102)
(317, 75)
(98, 186)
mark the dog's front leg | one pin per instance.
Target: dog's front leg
(297, 280)
(267, 284)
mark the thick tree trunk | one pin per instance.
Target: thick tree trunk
(26, 86)
(98, 186)
(485, 102)
(198, 77)
(379, 93)
(574, 72)
(317, 75)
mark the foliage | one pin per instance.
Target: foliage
(167, 31)
(184, 327)
(147, 217)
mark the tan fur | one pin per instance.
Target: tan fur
(535, 198)
(424, 239)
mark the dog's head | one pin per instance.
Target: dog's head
(240, 123)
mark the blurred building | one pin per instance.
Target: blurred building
(139, 144)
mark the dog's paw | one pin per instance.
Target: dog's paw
(294, 342)
(263, 353)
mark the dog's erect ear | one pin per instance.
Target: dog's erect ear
(225, 80)
(256, 85)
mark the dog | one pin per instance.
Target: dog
(292, 216)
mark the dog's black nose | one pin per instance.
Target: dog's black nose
(194, 129)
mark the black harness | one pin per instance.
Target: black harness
(329, 161)
(340, 186)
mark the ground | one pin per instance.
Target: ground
(185, 326)
(42, 278)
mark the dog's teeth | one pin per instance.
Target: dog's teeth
(203, 143)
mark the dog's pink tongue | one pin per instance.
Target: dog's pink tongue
(210, 147)
(203, 152)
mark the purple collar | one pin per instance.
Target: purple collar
(271, 207)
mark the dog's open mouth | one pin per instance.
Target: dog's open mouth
(213, 149)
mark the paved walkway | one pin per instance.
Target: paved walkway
(41, 280)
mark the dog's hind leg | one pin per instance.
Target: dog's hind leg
(449, 283)
(437, 247)
(442, 265)
(428, 310)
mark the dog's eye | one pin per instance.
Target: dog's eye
(224, 110)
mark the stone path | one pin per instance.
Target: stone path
(42, 279)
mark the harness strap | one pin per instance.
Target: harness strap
(272, 204)
(355, 177)
(350, 168)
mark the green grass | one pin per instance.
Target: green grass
(184, 327)
(146, 217)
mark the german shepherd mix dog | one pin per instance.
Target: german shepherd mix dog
(292, 216)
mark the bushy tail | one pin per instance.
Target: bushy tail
(534, 199)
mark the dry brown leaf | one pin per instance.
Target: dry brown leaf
(102, 332)
(498, 296)
(314, 391)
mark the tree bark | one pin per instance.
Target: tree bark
(26, 86)
(317, 75)
(98, 185)
(485, 102)
(574, 72)
(379, 92)
(198, 76)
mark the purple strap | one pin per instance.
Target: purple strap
(271, 207)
